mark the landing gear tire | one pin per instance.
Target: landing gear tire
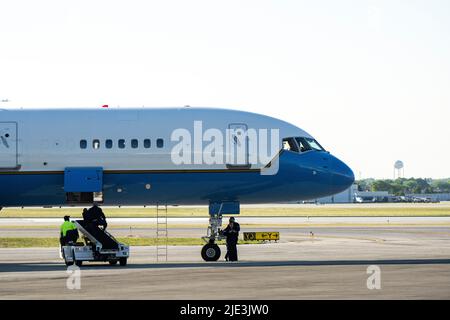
(211, 252)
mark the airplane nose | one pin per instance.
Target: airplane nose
(342, 176)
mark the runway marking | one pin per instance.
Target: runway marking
(350, 238)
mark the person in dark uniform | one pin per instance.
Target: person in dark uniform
(85, 214)
(232, 234)
(95, 223)
(94, 216)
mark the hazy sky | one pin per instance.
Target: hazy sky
(369, 79)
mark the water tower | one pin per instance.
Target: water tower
(399, 169)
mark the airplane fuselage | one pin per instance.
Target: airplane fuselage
(134, 151)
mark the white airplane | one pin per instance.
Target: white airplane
(165, 156)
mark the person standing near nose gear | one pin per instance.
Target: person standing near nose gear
(232, 234)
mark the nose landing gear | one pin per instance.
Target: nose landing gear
(211, 251)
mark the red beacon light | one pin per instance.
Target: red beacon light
(105, 106)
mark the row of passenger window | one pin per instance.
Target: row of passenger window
(121, 143)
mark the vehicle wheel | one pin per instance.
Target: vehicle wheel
(75, 261)
(123, 261)
(68, 263)
(211, 252)
(113, 262)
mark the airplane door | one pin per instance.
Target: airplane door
(237, 145)
(8, 145)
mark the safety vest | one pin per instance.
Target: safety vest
(66, 226)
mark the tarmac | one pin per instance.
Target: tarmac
(318, 261)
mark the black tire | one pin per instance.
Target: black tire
(113, 262)
(75, 261)
(68, 263)
(123, 262)
(211, 252)
(65, 260)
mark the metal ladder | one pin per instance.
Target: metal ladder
(162, 233)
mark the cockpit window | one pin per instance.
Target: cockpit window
(304, 146)
(301, 144)
(308, 144)
(289, 144)
(314, 144)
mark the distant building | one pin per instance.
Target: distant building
(372, 196)
(352, 195)
(346, 196)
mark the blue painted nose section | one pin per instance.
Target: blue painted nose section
(342, 176)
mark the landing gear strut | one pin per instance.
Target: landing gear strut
(211, 251)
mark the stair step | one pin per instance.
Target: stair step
(162, 233)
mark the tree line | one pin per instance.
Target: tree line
(402, 186)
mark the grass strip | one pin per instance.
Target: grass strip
(10, 242)
(307, 211)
